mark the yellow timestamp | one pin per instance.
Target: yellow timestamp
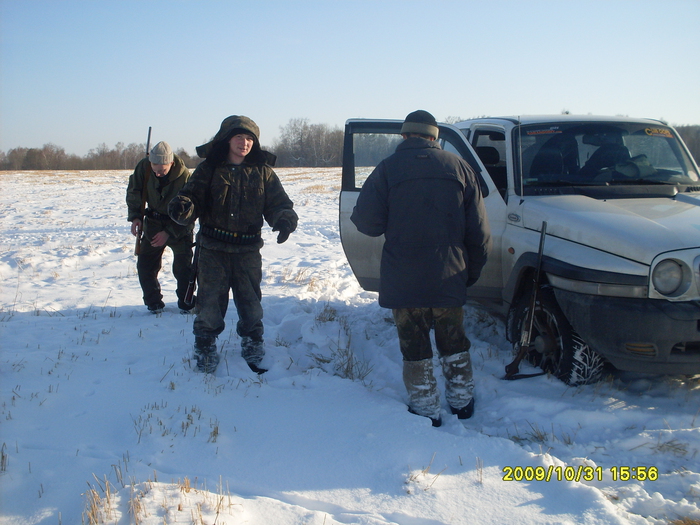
(579, 473)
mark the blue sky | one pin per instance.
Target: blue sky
(78, 73)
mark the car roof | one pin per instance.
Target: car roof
(511, 121)
(551, 119)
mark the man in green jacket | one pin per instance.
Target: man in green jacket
(155, 181)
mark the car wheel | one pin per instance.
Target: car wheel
(558, 349)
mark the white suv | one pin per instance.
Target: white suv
(620, 277)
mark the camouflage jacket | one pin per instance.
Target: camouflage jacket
(157, 199)
(233, 198)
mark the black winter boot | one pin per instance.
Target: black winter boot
(156, 308)
(464, 413)
(205, 354)
(253, 352)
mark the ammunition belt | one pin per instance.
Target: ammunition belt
(229, 237)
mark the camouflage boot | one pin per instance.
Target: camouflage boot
(423, 396)
(205, 354)
(253, 353)
(459, 383)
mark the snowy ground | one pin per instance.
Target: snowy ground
(104, 420)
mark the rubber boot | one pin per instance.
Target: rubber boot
(205, 353)
(459, 383)
(423, 396)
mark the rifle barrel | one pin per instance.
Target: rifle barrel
(148, 142)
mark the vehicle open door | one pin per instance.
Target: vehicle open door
(366, 144)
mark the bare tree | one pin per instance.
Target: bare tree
(132, 154)
(34, 159)
(15, 158)
(54, 156)
(304, 144)
(190, 162)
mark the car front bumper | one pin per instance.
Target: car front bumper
(637, 335)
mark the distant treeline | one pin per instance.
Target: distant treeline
(300, 145)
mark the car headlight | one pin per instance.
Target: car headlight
(668, 277)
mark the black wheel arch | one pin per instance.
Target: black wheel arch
(521, 277)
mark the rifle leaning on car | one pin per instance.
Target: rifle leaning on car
(525, 344)
(144, 194)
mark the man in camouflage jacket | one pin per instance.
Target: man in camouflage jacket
(162, 175)
(232, 192)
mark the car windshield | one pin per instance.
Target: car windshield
(602, 153)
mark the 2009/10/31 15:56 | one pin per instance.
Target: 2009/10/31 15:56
(579, 473)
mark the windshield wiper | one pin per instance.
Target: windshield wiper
(642, 182)
(562, 182)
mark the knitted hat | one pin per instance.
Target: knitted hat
(420, 122)
(161, 154)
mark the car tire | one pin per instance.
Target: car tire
(559, 350)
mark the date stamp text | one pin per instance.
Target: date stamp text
(580, 473)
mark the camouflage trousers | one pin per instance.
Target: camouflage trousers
(218, 273)
(414, 325)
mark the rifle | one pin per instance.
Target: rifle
(144, 193)
(524, 346)
(192, 284)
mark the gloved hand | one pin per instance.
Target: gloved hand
(471, 281)
(284, 227)
(180, 209)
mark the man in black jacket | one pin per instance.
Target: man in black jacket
(429, 206)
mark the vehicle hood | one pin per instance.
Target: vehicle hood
(637, 229)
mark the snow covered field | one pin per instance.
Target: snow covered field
(104, 420)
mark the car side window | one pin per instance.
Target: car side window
(447, 144)
(369, 150)
(490, 146)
